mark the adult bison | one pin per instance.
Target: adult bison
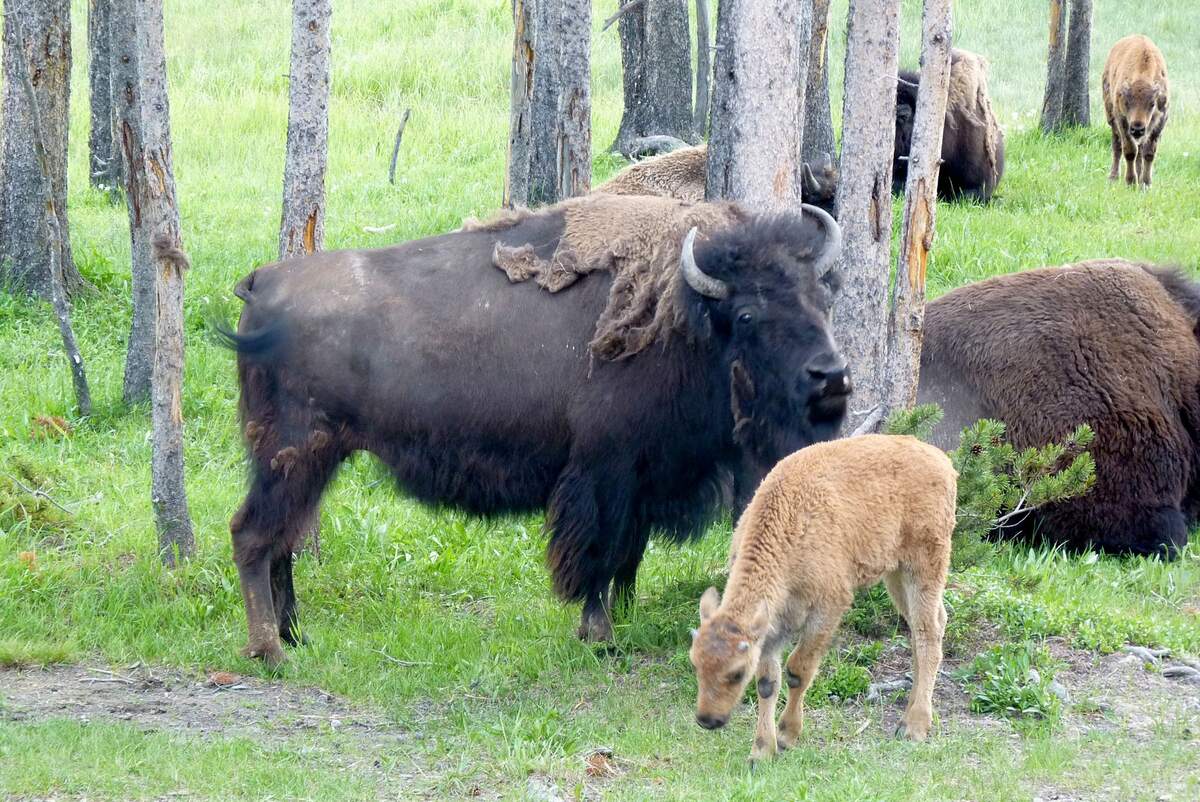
(1109, 343)
(637, 399)
(972, 142)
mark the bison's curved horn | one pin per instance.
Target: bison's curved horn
(696, 278)
(810, 181)
(833, 239)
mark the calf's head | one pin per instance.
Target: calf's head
(1142, 105)
(762, 293)
(725, 655)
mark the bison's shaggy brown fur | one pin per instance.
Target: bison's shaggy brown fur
(829, 519)
(638, 241)
(1135, 101)
(1109, 343)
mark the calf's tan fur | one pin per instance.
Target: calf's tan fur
(1135, 101)
(827, 520)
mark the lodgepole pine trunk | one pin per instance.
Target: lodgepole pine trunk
(1056, 63)
(656, 71)
(758, 103)
(104, 154)
(1075, 109)
(574, 136)
(864, 198)
(37, 36)
(302, 228)
(906, 321)
(818, 117)
(703, 70)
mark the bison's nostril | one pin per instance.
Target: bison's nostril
(833, 377)
(1137, 130)
(710, 722)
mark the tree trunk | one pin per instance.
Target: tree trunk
(656, 68)
(160, 226)
(906, 321)
(1056, 62)
(864, 196)
(302, 230)
(703, 70)
(1075, 88)
(127, 96)
(758, 103)
(574, 138)
(818, 117)
(37, 34)
(104, 155)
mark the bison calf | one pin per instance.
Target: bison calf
(1135, 102)
(827, 520)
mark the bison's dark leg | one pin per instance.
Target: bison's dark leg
(625, 579)
(1149, 150)
(252, 552)
(1130, 161)
(284, 596)
(1115, 172)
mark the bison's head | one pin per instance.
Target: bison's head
(906, 112)
(1142, 105)
(725, 655)
(764, 291)
(820, 182)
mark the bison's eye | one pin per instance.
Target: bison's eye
(736, 677)
(746, 318)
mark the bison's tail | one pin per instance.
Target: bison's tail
(260, 342)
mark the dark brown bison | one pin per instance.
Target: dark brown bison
(1135, 101)
(683, 174)
(658, 383)
(1109, 343)
(972, 141)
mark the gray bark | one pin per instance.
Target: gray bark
(574, 136)
(302, 228)
(104, 155)
(818, 116)
(906, 321)
(1056, 62)
(1075, 88)
(160, 220)
(703, 70)
(37, 35)
(758, 103)
(656, 68)
(127, 96)
(864, 196)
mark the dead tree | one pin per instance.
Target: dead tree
(656, 72)
(302, 229)
(1079, 42)
(906, 318)
(758, 102)
(53, 234)
(818, 116)
(703, 70)
(1056, 62)
(574, 135)
(864, 197)
(104, 155)
(37, 35)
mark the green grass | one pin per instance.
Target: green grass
(498, 685)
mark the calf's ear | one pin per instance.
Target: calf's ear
(709, 603)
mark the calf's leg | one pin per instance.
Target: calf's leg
(802, 666)
(929, 625)
(768, 694)
(1115, 172)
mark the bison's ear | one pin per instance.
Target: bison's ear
(1160, 97)
(709, 603)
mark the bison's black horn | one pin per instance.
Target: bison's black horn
(696, 278)
(833, 239)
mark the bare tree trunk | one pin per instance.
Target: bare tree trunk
(302, 230)
(520, 123)
(1075, 109)
(128, 103)
(818, 117)
(703, 70)
(103, 151)
(656, 67)
(864, 196)
(758, 103)
(906, 323)
(53, 235)
(1056, 63)
(160, 221)
(44, 45)
(574, 140)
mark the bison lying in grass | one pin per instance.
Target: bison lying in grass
(1109, 343)
(660, 380)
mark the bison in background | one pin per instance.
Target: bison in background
(1109, 343)
(651, 378)
(972, 141)
(1135, 102)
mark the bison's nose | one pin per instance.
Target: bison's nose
(709, 722)
(831, 374)
(1137, 130)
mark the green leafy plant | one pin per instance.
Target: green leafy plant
(1013, 679)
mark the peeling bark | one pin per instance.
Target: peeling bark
(574, 136)
(818, 116)
(703, 70)
(1052, 100)
(1075, 109)
(104, 154)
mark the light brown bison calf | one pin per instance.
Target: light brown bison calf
(1135, 102)
(827, 520)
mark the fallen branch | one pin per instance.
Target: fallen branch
(396, 146)
(630, 6)
(399, 662)
(871, 422)
(38, 493)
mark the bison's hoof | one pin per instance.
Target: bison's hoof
(785, 740)
(294, 637)
(597, 629)
(270, 653)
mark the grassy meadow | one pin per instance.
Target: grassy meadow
(445, 623)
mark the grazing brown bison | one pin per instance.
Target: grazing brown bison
(682, 174)
(972, 141)
(659, 382)
(1135, 102)
(1109, 343)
